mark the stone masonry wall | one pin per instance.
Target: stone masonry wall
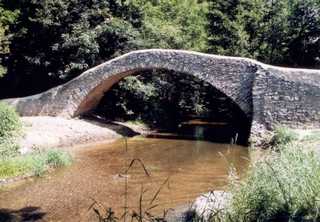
(287, 96)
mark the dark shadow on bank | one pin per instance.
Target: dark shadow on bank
(176, 105)
(29, 214)
(102, 122)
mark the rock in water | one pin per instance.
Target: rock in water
(202, 208)
(210, 203)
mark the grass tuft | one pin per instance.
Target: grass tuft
(283, 136)
(57, 158)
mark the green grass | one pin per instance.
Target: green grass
(283, 135)
(283, 187)
(13, 164)
(33, 164)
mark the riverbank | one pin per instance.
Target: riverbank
(44, 132)
(280, 185)
(45, 143)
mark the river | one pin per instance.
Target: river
(182, 168)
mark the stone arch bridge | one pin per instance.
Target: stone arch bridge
(267, 94)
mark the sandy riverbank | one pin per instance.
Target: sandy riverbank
(44, 132)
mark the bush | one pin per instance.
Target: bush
(283, 187)
(57, 158)
(8, 147)
(10, 126)
(9, 121)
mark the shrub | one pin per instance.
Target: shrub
(8, 147)
(10, 126)
(57, 158)
(283, 187)
(9, 121)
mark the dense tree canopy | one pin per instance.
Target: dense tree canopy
(57, 40)
(281, 32)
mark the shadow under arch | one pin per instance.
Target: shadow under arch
(224, 121)
(232, 76)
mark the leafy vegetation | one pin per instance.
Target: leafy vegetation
(9, 121)
(11, 162)
(33, 164)
(10, 127)
(7, 18)
(283, 187)
(282, 32)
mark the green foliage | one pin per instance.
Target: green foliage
(57, 158)
(303, 33)
(179, 24)
(8, 147)
(7, 18)
(281, 32)
(82, 35)
(283, 187)
(33, 164)
(85, 33)
(9, 121)
(10, 127)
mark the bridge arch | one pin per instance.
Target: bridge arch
(232, 77)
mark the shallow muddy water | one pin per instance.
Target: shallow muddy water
(98, 173)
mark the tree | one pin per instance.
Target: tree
(55, 41)
(223, 36)
(304, 34)
(7, 18)
(178, 24)
(280, 32)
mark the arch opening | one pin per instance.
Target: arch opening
(174, 102)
